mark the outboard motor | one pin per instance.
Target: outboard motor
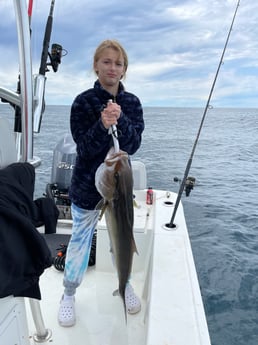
(64, 157)
(63, 162)
(62, 167)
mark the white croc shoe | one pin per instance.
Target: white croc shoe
(132, 301)
(66, 314)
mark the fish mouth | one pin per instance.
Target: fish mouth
(113, 157)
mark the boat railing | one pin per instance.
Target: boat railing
(10, 96)
(42, 334)
(25, 98)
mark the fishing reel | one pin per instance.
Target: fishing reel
(57, 52)
(189, 184)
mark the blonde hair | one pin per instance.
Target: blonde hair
(115, 45)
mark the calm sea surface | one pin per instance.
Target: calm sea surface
(221, 212)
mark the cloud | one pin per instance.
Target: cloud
(174, 48)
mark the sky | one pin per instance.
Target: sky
(174, 49)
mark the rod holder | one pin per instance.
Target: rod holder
(42, 333)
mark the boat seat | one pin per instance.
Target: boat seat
(8, 153)
(139, 175)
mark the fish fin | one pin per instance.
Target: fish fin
(116, 293)
(135, 204)
(101, 205)
(134, 247)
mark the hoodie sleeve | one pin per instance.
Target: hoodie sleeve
(130, 125)
(88, 132)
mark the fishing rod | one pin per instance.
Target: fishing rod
(48, 30)
(30, 6)
(40, 79)
(189, 163)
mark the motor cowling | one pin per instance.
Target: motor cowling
(64, 157)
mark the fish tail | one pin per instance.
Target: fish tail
(123, 298)
(121, 293)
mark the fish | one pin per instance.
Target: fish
(114, 182)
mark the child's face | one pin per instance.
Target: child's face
(110, 68)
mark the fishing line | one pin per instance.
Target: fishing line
(114, 133)
(188, 166)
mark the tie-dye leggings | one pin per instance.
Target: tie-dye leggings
(78, 251)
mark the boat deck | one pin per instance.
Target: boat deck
(100, 315)
(163, 276)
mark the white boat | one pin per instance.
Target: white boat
(164, 274)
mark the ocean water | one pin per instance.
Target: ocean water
(221, 211)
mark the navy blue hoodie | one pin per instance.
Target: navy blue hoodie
(93, 141)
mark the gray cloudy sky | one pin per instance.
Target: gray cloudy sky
(174, 48)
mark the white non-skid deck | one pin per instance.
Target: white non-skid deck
(100, 315)
(164, 276)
